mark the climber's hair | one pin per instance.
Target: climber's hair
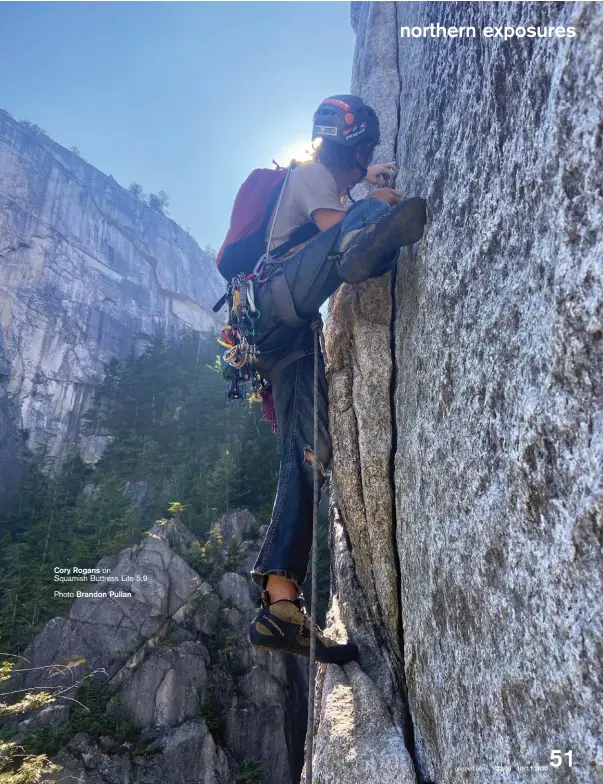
(336, 156)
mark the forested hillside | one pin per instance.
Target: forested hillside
(172, 439)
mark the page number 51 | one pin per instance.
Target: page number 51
(557, 758)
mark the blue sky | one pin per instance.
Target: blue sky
(184, 97)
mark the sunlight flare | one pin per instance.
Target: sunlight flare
(298, 150)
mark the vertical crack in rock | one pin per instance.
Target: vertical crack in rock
(409, 732)
(408, 727)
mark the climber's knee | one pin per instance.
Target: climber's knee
(372, 246)
(362, 213)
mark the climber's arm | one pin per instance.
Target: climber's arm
(316, 195)
(324, 219)
(318, 199)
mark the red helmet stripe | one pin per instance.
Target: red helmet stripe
(335, 102)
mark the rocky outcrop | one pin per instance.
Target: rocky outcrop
(186, 753)
(87, 272)
(172, 649)
(466, 413)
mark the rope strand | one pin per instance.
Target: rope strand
(317, 328)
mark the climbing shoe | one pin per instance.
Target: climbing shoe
(363, 250)
(285, 626)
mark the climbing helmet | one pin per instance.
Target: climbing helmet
(347, 120)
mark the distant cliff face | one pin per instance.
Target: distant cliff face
(86, 271)
(466, 401)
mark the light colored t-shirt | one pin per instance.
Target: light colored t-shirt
(310, 186)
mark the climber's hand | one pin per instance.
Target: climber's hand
(388, 195)
(381, 173)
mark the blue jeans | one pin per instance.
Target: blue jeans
(312, 278)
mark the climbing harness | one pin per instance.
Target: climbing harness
(317, 329)
(240, 334)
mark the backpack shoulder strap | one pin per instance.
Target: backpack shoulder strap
(301, 234)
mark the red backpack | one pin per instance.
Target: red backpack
(245, 241)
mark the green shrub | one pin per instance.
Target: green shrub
(159, 201)
(254, 529)
(213, 715)
(228, 643)
(33, 127)
(207, 559)
(172, 637)
(250, 772)
(17, 766)
(233, 555)
(91, 717)
(7, 731)
(237, 670)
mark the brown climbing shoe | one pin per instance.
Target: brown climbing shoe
(363, 251)
(285, 626)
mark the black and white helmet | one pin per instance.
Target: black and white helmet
(347, 120)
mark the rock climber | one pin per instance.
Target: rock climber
(352, 245)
